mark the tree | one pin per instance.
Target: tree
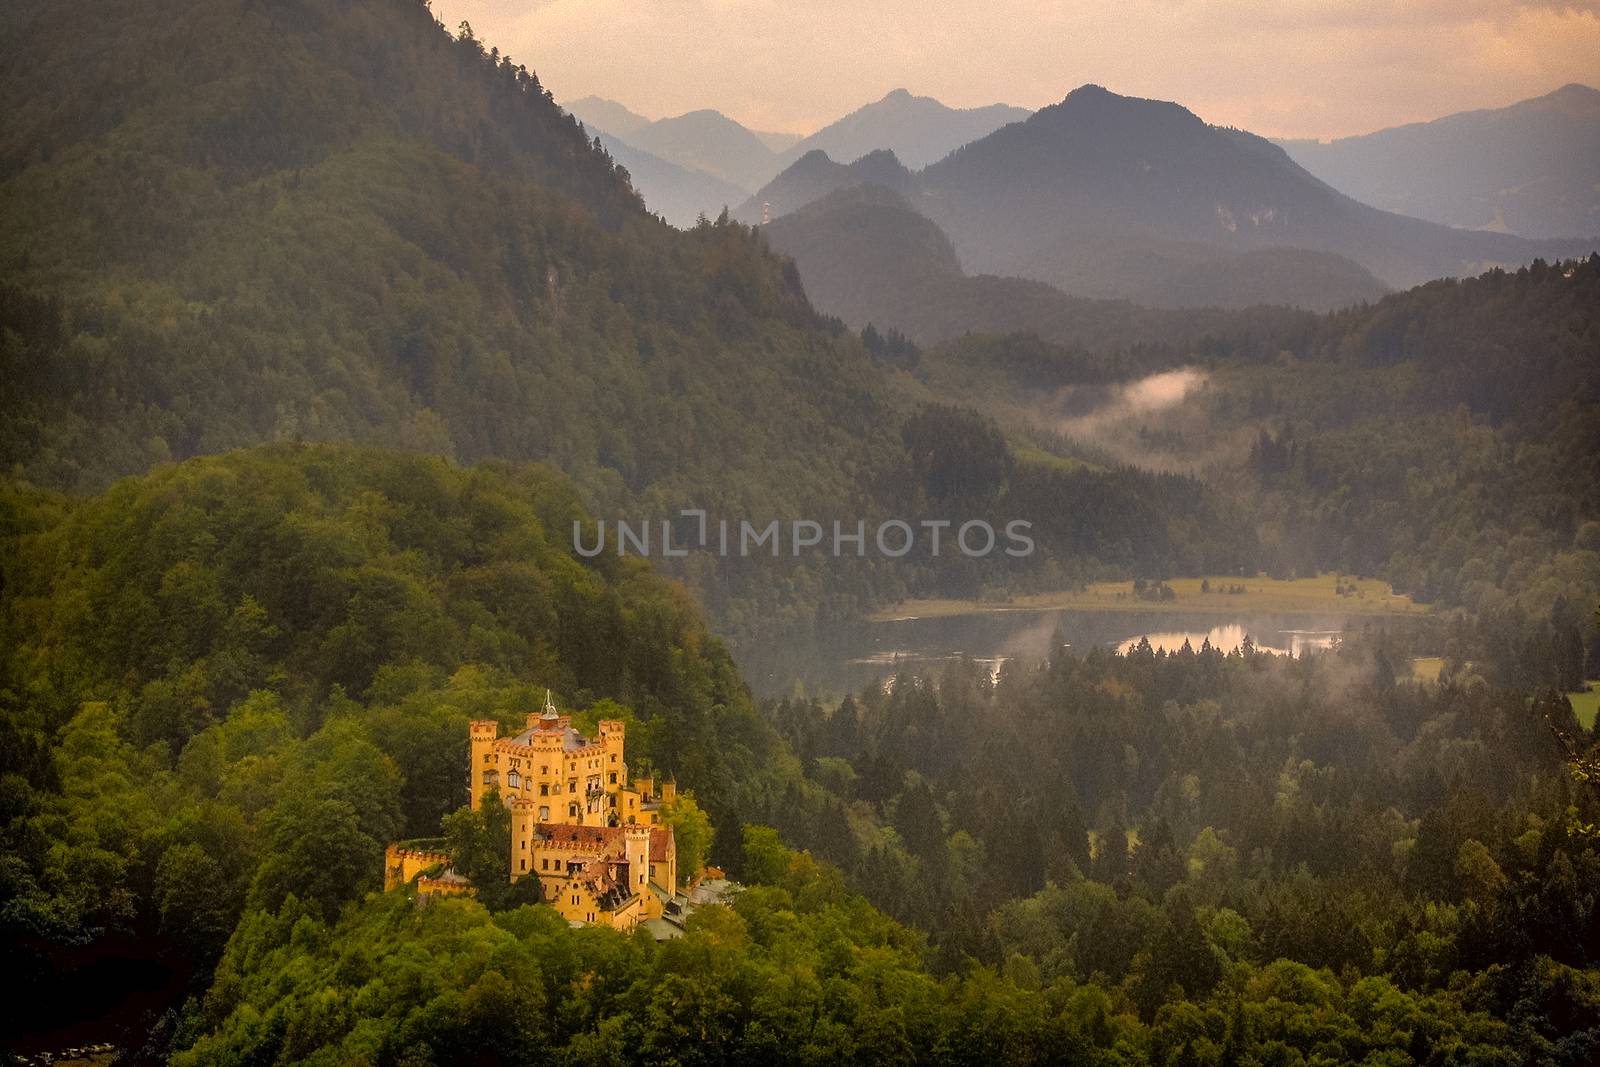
(692, 833)
(316, 852)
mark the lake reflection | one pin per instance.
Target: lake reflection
(857, 655)
(1231, 636)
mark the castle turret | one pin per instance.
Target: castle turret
(669, 789)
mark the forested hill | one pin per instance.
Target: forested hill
(232, 607)
(224, 223)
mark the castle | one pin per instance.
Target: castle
(595, 840)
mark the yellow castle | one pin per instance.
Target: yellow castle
(594, 839)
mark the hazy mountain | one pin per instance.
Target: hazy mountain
(678, 194)
(865, 255)
(709, 141)
(1105, 195)
(1532, 168)
(917, 129)
(814, 175)
(778, 142)
(598, 113)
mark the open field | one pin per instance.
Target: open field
(1585, 705)
(1427, 668)
(1298, 596)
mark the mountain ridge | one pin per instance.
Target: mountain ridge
(1530, 168)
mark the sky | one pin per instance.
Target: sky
(1290, 68)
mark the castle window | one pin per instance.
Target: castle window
(544, 864)
(514, 780)
(544, 814)
(572, 810)
(613, 777)
(524, 863)
(489, 777)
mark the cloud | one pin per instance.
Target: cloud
(1296, 68)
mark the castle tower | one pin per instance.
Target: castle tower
(669, 789)
(523, 821)
(637, 852)
(614, 771)
(482, 768)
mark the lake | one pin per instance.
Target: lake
(858, 654)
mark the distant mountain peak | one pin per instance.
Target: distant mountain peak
(919, 129)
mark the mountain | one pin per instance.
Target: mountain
(709, 141)
(814, 175)
(1531, 169)
(678, 194)
(371, 231)
(917, 129)
(866, 256)
(598, 113)
(1106, 195)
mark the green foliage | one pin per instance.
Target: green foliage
(691, 831)
(800, 970)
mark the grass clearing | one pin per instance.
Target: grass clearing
(1585, 705)
(1281, 596)
(1427, 668)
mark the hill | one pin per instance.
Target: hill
(865, 255)
(598, 113)
(1532, 168)
(815, 175)
(917, 129)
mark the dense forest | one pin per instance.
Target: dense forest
(258, 668)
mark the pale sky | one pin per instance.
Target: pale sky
(1292, 68)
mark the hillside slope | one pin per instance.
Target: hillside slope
(1532, 168)
(404, 243)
